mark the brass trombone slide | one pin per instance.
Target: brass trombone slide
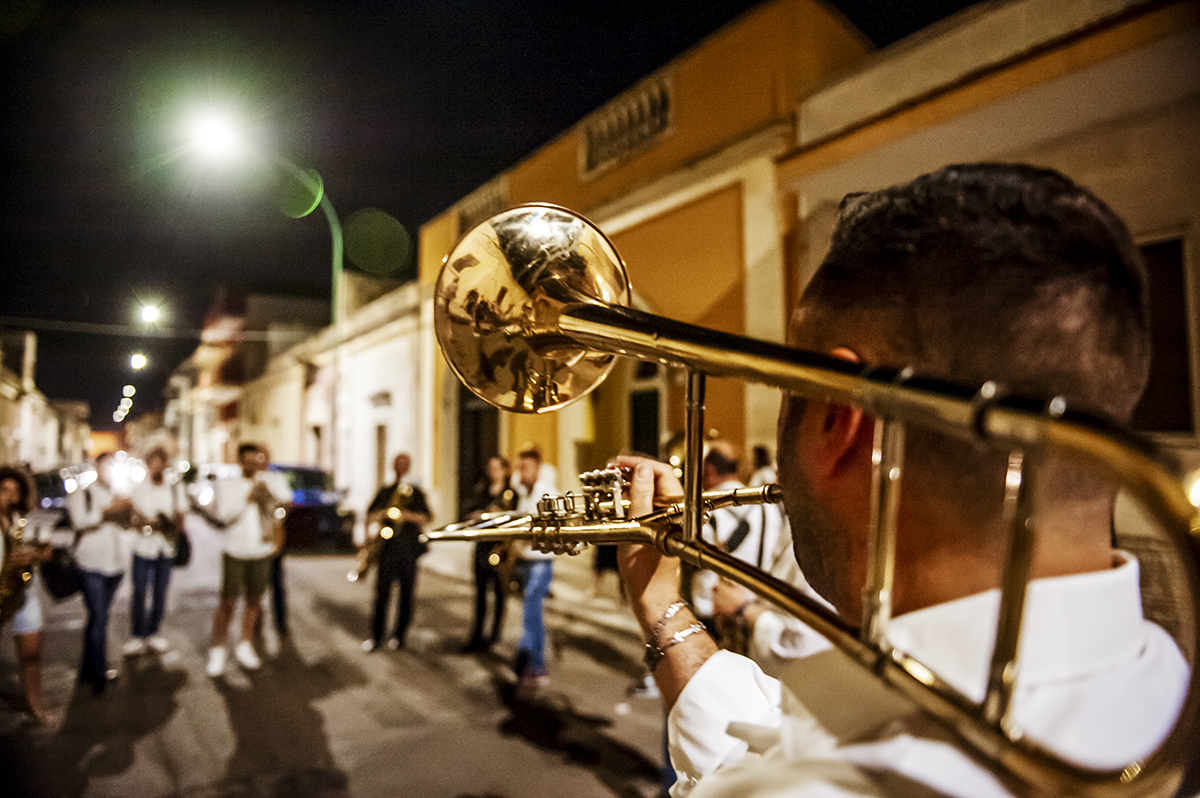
(529, 313)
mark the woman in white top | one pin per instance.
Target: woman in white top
(99, 517)
(159, 506)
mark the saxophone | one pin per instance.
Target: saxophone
(14, 576)
(368, 553)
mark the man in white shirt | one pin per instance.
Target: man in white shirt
(251, 505)
(749, 533)
(972, 273)
(159, 503)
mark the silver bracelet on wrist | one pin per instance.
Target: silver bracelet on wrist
(655, 653)
(666, 616)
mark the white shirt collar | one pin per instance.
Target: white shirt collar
(1072, 626)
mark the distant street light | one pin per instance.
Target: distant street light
(128, 390)
(137, 360)
(149, 314)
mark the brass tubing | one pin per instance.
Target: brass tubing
(887, 455)
(1002, 672)
(693, 467)
(1012, 421)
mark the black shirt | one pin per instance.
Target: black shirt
(416, 503)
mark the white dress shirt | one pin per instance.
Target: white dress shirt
(527, 502)
(248, 534)
(103, 546)
(150, 500)
(1098, 684)
(760, 547)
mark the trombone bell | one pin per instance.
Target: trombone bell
(498, 298)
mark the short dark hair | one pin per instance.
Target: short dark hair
(1002, 272)
(246, 448)
(532, 452)
(25, 489)
(761, 456)
(158, 451)
(722, 457)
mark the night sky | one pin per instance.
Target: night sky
(403, 106)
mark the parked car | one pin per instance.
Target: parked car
(318, 519)
(50, 510)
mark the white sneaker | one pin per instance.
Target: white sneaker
(134, 646)
(246, 657)
(216, 661)
(159, 644)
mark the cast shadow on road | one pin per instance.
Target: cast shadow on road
(547, 719)
(98, 732)
(282, 750)
(354, 619)
(598, 649)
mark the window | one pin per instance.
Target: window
(1167, 405)
(628, 125)
(481, 205)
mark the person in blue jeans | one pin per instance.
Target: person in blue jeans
(100, 518)
(535, 569)
(158, 501)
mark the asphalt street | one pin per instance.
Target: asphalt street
(323, 718)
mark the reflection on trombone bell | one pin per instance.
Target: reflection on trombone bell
(529, 312)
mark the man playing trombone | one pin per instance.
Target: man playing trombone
(970, 274)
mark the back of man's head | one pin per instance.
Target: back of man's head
(722, 457)
(987, 272)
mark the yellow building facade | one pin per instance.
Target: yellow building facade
(717, 179)
(679, 172)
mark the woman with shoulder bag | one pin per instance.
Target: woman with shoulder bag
(100, 518)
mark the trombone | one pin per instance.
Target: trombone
(530, 313)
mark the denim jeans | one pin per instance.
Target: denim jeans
(536, 575)
(155, 574)
(98, 592)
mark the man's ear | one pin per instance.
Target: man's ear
(838, 435)
(839, 429)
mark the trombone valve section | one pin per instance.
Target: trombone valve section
(598, 502)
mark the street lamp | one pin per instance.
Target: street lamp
(149, 314)
(137, 361)
(217, 135)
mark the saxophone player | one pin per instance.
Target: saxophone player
(21, 548)
(394, 522)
